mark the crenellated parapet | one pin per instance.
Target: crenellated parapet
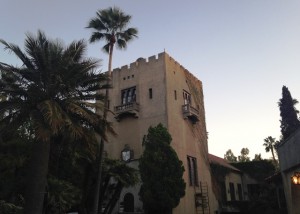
(141, 62)
(162, 57)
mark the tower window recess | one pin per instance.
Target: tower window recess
(187, 98)
(150, 93)
(193, 172)
(175, 94)
(128, 95)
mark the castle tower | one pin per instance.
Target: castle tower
(160, 90)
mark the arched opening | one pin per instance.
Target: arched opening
(128, 202)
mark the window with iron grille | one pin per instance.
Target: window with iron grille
(128, 95)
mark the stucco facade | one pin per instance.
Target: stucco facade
(160, 90)
(289, 161)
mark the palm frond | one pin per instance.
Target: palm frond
(53, 89)
(105, 48)
(121, 44)
(96, 36)
(17, 51)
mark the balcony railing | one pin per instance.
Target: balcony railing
(190, 112)
(128, 109)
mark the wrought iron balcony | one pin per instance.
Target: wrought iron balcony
(190, 113)
(128, 109)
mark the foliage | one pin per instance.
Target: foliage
(161, 173)
(289, 120)
(229, 156)
(219, 171)
(110, 25)
(61, 197)
(52, 91)
(71, 165)
(14, 155)
(266, 201)
(117, 175)
(259, 170)
(9, 208)
(257, 157)
(244, 155)
(270, 145)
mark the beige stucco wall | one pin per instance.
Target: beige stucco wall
(188, 139)
(152, 111)
(236, 179)
(164, 75)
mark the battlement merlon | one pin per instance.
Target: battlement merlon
(152, 59)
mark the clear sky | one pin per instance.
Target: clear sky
(243, 51)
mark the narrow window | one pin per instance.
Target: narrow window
(232, 193)
(193, 172)
(150, 93)
(187, 98)
(240, 192)
(190, 170)
(108, 104)
(223, 191)
(175, 94)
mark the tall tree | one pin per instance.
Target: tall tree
(289, 120)
(161, 173)
(52, 90)
(229, 156)
(109, 25)
(244, 155)
(269, 144)
(257, 157)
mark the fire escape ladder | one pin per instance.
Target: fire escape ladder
(202, 199)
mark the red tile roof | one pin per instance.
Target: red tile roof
(221, 161)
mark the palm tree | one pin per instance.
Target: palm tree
(270, 144)
(109, 25)
(53, 91)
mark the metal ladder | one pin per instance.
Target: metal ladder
(202, 199)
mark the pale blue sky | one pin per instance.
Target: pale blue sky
(242, 50)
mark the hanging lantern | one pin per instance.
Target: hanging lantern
(296, 178)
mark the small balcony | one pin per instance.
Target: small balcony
(127, 110)
(190, 113)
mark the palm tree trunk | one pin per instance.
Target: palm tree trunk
(103, 191)
(110, 60)
(113, 201)
(37, 178)
(272, 151)
(96, 209)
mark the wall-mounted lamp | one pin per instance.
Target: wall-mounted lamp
(296, 178)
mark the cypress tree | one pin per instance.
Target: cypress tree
(289, 120)
(161, 173)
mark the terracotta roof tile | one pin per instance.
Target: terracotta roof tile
(221, 161)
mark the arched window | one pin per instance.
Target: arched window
(128, 202)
